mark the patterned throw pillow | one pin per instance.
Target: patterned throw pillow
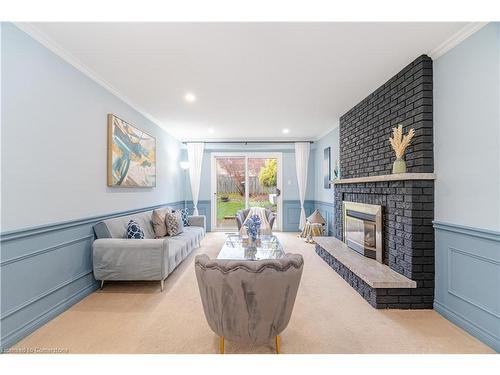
(184, 215)
(173, 220)
(134, 230)
(158, 221)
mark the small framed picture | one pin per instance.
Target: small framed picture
(327, 167)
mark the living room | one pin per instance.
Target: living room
(250, 187)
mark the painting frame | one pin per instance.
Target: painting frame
(131, 173)
(327, 168)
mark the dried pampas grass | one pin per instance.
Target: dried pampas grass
(399, 143)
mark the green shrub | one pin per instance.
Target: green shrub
(267, 175)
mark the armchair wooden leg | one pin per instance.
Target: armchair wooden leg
(221, 344)
(162, 284)
(278, 343)
(102, 284)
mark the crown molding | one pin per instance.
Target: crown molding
(47, 42)
(456, 39)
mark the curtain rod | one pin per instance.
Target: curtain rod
(246, 142)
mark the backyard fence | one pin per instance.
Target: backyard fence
(227, 185)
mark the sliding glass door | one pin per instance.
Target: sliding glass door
(243, 180)
(230, 190)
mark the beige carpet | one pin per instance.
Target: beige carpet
(329, 317)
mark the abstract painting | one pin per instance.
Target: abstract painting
(131, 155)
(327, 167)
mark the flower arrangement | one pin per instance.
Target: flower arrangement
(399, 143)
(253, 225)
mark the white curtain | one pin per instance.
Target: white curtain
(301, 162)
(195, 158)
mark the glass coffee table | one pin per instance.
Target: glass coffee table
(237, 247)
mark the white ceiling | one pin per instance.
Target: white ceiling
(251, 80)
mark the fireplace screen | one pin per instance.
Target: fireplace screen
(363, 229)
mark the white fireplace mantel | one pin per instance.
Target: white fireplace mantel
(387, 177)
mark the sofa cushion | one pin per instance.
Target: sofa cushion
(185, 216)
(192, 235)
(158, 221)
(183, 244)
(173, 220)
(134, 230)
(117, 227)
(101, 230)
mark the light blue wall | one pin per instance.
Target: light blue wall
(467, 288)
(54, 144)
(329, 140)
(467, 201)
(324, 198)
(54, 141)
(467, 131)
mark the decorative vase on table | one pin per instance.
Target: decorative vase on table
(250, 252)
(253, 227)
(399, 143)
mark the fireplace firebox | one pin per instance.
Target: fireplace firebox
(363, 229)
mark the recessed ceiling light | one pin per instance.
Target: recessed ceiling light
(286, 131)
(211, 130)
(190, 97)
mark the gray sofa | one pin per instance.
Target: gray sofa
(117, 258)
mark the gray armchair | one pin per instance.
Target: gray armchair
(241, 215)
(248, 301)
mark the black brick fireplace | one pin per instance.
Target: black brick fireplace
(408, 204)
